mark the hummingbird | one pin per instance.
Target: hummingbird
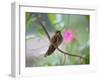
(56, 40)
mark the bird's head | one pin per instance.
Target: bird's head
(58, 31)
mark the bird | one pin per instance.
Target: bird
(56, 40)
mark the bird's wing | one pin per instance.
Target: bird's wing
(54, 39)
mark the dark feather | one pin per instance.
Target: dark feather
(55, 42)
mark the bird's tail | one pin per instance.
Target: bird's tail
(50, 51)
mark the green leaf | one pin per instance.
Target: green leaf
(52, 18)
(40, 32)
(86, 53)
(87, 17)
(28, 20)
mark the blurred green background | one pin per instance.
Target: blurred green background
(77, 24)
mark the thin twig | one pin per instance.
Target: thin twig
(69, 54)
(45, 31)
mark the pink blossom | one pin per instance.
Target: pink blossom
(68, 36)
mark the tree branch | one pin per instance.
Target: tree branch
(70, 54)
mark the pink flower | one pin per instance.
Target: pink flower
(68, 36)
